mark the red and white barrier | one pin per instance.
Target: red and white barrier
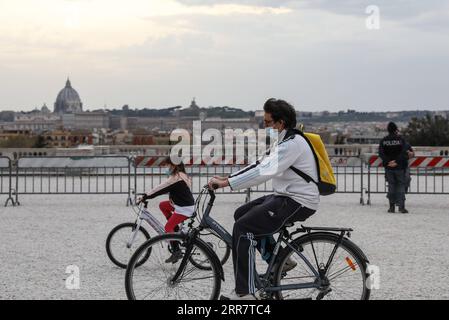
(374, 161)
(418, 162)
(148, 162)
(141, 162)
(345, 161)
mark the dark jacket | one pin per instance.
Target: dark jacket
(394, 147)
(179, 189)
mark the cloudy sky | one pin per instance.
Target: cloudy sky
(317, 54)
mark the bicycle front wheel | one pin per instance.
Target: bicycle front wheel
(154, 280)
(345, 279)
(123, 240)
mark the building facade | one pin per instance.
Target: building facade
(85, 120)
(36, 121)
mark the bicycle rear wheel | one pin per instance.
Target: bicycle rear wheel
(346, 277)
(154, 279)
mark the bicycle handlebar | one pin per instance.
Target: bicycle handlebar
(142, 200)
(211, 191)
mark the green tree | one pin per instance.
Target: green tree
(428, 131)
(40, 142)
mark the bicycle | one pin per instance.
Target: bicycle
(325, 258)
(126, 237)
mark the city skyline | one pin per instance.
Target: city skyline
(161, 53)
(184, 106)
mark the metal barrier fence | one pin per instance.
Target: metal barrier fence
(75, 175)
(6, 187)
(428, 175)
(349, 172)
(148, 172)
(129, 176)
(350, 175)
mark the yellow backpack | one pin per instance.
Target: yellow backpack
(327, 183)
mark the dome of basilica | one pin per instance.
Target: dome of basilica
(68, 100)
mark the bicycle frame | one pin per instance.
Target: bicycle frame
(321, 273)
(145, 215)
(266, 276)
(210, 223)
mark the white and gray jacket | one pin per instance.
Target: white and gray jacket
(292, 150)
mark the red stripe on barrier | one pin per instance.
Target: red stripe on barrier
(373, 159)
(158, 162)
(417, 162)
(446, 165)
(434, 162)
(150, 162)
(138, 161)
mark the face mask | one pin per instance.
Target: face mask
(271, 132)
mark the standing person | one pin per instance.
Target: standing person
(393, 152)
(294, 199)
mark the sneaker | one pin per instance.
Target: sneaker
(174, 257)
(403, 210)
(235, 296)
(289, 265)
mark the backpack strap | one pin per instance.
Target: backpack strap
(303, 175)
(290, 134)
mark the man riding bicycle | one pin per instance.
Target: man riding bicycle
(294, 199)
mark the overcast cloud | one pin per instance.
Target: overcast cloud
(318, 54)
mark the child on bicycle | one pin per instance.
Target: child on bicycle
(180, 205)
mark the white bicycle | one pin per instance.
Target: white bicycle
(125, 238)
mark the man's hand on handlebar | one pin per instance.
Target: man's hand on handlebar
(216, 183)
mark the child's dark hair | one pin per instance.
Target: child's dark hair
(180, 167)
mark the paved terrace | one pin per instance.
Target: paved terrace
(39, 239)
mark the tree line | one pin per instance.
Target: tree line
(428, 131)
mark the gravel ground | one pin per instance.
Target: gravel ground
(39, 239)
